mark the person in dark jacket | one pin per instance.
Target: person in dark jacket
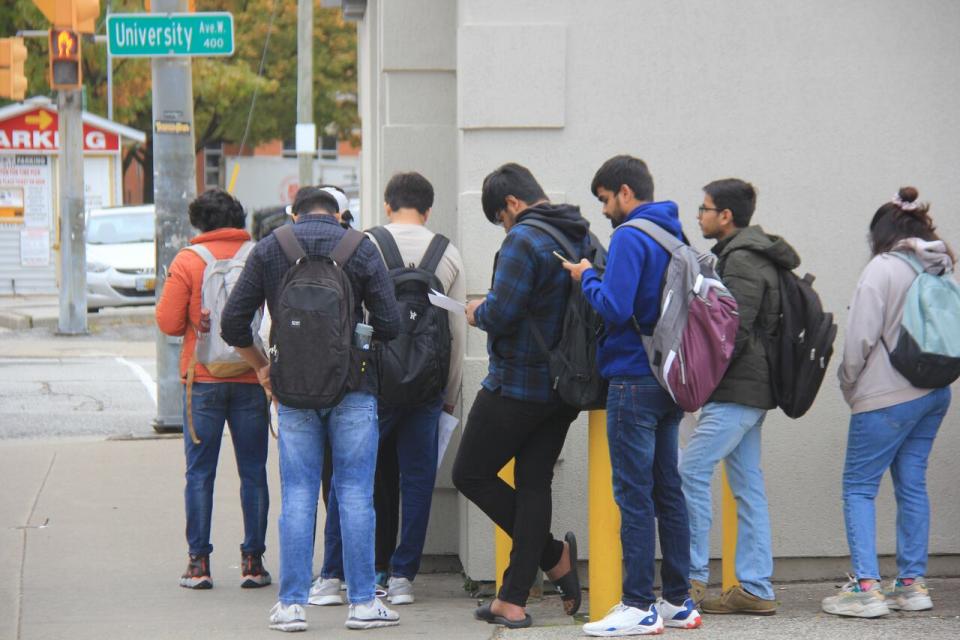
(517, 414)
(729, 424)
(642, 419)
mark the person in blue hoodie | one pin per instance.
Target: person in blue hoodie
(642, 419)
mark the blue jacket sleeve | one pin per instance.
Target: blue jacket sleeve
(614, 296)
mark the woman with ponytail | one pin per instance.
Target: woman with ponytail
(893, 423)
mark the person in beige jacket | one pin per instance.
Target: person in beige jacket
(894, 424)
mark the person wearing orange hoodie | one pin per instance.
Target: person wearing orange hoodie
(240, 401)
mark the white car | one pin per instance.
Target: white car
(121, 257)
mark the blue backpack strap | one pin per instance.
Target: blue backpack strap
(910, 260)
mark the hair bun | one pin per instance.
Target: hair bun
(908, 194)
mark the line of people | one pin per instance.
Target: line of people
(413, 362)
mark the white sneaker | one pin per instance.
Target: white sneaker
(916, 597)
(685, 617)
(371, 615)
(291, 618)
(325, 592)
(851, 601)
(622, 620)
(399, 590)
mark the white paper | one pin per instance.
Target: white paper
(437, 299)
(447, 424)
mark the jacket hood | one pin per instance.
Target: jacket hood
(665, 213)
(775, 248)
(565, 217)
(933, 255)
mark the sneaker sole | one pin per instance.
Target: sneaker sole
(196, 583)
(299, 625)
(630, 631)
(742, 612)
(357, 624)
(684, 624)
(325, 601)
(860, 611)
(402, 599)
(255, 582)
(917, 604)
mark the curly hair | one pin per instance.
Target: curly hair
(216, 209)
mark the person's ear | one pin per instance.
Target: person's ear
(426, 214)
(511, 204)
(625, 193)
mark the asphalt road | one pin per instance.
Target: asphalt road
(96, 385)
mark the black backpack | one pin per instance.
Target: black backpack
(801, 352)
(414, 366)
(312, 362)
(573, 359)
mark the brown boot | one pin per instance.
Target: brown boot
(737, 600)
(698, 591)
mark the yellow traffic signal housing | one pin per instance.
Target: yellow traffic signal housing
(65, 69)
(13, 81)
(76, 15)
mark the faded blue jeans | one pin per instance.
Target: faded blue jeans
(729, 432)
(898, 438)
(642, 433)
(351, 428)
(243, 406)
(416, 441)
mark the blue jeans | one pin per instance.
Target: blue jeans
(898, 438)
(416, 441)
(729, 432)
(351, 429)
(642, 432)
(244, 407)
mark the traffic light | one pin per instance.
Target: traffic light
(65, 69)
(13, 82)
(76, 15)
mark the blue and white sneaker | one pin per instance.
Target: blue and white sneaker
(622, 620)
(685, 617)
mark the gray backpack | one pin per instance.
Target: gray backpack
(692, 343)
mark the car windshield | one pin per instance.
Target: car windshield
(120, 228)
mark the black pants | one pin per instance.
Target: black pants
(498, 429)
(386, 501)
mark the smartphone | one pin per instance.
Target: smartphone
(559, 256)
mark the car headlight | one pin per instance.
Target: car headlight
(97, 267)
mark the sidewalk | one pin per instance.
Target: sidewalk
(91, 546)
(40, 311)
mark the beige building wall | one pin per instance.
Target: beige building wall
(826, 107)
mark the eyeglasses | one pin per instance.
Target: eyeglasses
(701, 209)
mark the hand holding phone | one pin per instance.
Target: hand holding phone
(559, 256)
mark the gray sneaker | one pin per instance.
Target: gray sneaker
(325, 592)
(909, 598)
(399, 591)
(851, 601)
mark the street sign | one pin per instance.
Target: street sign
(160, 35)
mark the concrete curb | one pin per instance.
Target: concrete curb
(23, 320)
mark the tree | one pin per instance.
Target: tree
(222, 86)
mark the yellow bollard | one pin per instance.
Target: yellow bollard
(233, 178)
(606, 567)
(502, 543)
(728, 555)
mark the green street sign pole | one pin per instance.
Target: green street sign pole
(164, 35)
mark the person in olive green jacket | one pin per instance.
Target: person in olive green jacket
(729, 424)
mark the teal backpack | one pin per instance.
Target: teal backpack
(928, 350)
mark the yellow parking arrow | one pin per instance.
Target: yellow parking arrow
(42, 119)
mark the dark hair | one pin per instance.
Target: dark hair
(409, 190)
(738, 196)
(216, 209)
(901, 219)
(624, 169)
(510, 179)
(310, 198)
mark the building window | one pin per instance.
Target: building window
(212, 159)
(329, 147)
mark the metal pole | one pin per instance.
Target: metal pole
(73, 254)
(174, 186)
(305, 85)
(109, 78)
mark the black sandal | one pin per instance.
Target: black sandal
(569, 584)
(484, 613)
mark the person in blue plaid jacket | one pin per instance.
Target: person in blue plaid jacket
(516, 413)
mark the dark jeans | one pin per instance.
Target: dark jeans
(244, 407)
(412, 433)
(386, 497)
(642, 431)
(498, 429)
